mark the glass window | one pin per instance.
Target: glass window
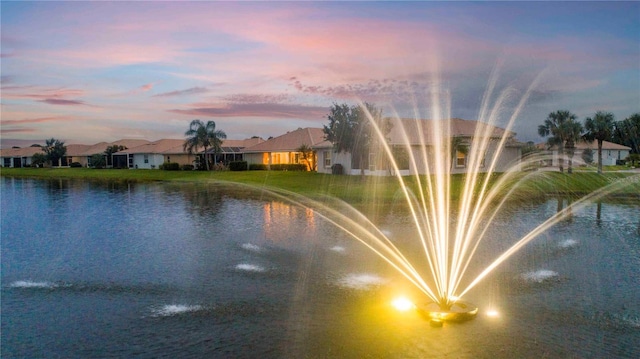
(146, 158)
(327, 159)
(461, 159)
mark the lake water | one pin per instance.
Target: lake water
(179, 271)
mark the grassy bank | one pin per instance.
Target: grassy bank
(352, 189)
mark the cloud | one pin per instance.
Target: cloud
(145, 88)
(35, 120)
(266, 110)
(39, 93)
(56, 101)
(189, 91)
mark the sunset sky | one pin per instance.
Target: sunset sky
(86, 72)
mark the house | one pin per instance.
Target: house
(17, 157)
(611, 153)
(284, 149)
(153, 154)
(84, 158)
(418, 134)
(233, 150)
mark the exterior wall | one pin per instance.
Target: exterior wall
(151, 161)
(15, 162)
(180, 158)
(609, 157)
(325, 163)
(253, 158)
(509, 160)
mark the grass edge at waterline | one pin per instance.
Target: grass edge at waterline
(352, 189)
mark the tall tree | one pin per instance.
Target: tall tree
(55, 150)
(599, 128)
(204, 135)
(573, 130)
(110, 151)
(351, 130)
(627, 132)
(308, 155)
(553, 127)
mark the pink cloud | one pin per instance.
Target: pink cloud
(190, 91)
(267, 110)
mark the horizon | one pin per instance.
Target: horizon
(86, 72)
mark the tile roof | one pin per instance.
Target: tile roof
(20, 152)
(458, 128)
(163, 146)
(238, 146)
(290, 141)
(413, 128)
(102, 146)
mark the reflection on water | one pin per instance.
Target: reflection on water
(148, 270)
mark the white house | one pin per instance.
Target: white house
(611, 153)
(419, 135)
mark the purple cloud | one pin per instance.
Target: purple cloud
(270, 110)
(57, 101)
(190, 91)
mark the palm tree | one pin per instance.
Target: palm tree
(573, 130)
(205, 136)
(599, 128)
(554, 127)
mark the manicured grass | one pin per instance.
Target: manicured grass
(352, 189)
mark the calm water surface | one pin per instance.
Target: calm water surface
(149, 270)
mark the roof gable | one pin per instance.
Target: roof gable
(290, 141)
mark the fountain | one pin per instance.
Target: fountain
(449, 242)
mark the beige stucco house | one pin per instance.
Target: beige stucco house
(415, 133)
(284, 149)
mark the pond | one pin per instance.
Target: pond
(194, 270)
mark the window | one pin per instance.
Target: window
(461, 159)
(327, 159)
(168, 159)
(372, 161)
(146, 158)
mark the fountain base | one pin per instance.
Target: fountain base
(460, 311)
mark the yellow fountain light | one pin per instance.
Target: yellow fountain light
(402, 304)
(492, 313)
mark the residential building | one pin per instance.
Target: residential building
(611, 153)
(153, 154)
(418, 134)
(17, 157)
(284, 149)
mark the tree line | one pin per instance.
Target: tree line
(563, 131)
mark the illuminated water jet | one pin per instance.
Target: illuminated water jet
(449, 229)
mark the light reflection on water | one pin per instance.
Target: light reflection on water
(148, 270)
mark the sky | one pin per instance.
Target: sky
(86, 72)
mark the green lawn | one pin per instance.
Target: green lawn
(352, 189)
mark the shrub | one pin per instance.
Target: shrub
(238, 166)
(187, 167)
(289, 167)
(337, 169)
(170, 166)
(257, 167)
(75, 164)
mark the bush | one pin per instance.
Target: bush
(75, 164)
(257, 167)
(170, 166)
(337, 169)
(238, 166)
(187, 167)
(289, 167)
